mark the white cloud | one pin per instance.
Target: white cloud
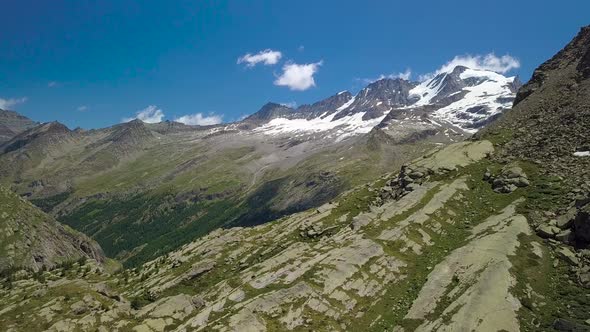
(426, 77)
(10, 102)
(499, 64)
(267, 57)
(200, 119)
(290, 104)
(404, 76)
(82, 108)
(298, 77)
(301, 48)
(52, 84)
(150, 114)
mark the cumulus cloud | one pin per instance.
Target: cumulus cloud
(82, 108)
(267, 57)
(290, 104)
(150, 114)
(200, 119)
(499, 64)
(298, 77)
(10, 102)
(52, 84)
(502, 64)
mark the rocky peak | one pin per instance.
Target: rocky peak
(168, 127)
(379, 97)
(575, 55)
(551, 115)
(43, 135)
(325, 107)
(132, 132)
(268, 112)
(12, 123)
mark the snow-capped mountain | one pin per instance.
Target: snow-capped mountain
(465, 97)
(462, 100)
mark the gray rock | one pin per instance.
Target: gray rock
(79, 308)
(506, 189)
(416, 175)
(565, 236)
(513, 172)
(568, 255)
(561, 324)
(566, 220)
(198, 301)
(412, 186)
(199, 269)
(547, 231)
(105, 290)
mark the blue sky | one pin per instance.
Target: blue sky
(94, 63)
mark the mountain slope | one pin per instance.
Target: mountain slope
(475, 235)
(12, 123)
(31, 239)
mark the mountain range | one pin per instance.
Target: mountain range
(461, 203)
(277, 161)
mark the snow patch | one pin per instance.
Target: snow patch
(346, 105)
(341, 128)
(582, 153)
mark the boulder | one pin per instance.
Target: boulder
(79, 308)
(546, 231)
(566, 220)
(565, 236)
(513, 172)
(105, 290)
(416, 175)
(200, 268)
(510, 178)
(568, 255)
(197, 301)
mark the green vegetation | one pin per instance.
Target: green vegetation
(47, 204)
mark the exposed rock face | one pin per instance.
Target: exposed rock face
(325, 107)
(268, 112)
(44, 136)
(31, 239)
(551, 115)
(380, 97)
(12, 124)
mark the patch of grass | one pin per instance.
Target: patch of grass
(545, 292)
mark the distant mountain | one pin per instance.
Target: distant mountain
(12, 123)
(462, 100)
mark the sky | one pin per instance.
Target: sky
(93, 64)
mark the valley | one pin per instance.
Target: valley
(460, 202)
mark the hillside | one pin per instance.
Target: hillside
(489, 234)
(32, 240)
